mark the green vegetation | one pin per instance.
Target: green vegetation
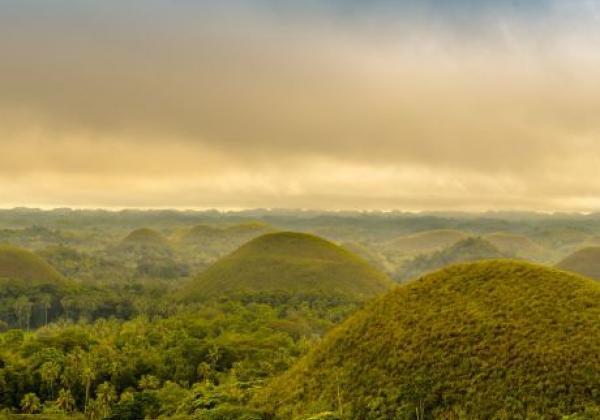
(145, 236)
(470, 249)
(496, 339)
(585, 262)
(428, 241)
(20, 264)
(561, 239)
(203, 363)
(190, 315)
(30, 289)
(519, 246)
(293, 264)
(203, 244)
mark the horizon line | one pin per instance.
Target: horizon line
(225, 210)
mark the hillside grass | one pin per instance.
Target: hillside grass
(466, 250)
(291, 263)
(145, 236)
(20, 264)
(519, 246)
(486, 340)
(585, 262)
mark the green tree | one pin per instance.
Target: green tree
(22, 308)
(45, 301)
(30, 403)
(50, 371)
(105, 397)
(149, 382)
(65, 400)
(88, 376)
(67, 303)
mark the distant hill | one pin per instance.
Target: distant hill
(30, 288)
(585, 262)
(367, 253)
(202, 245)
(207, 234)
(23, 265)
(495, 339)
(142, 243)
(470, 249)
(196, 234)
(290, 263)
(145, 236)
(425, 242)
(521, 246)
(561, 239)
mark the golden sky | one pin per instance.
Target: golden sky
(200, 104)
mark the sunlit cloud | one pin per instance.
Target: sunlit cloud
(422, 105)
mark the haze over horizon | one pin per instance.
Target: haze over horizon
(412, 105)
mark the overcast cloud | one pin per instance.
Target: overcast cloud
(445, 105)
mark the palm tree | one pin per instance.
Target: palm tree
(65, 400)
(88, 375)
(22, 307)
(72, 368)
(149, 382)
(46, 302)
(66, 303)
(30, 404)
(105, 396)
(50, 372)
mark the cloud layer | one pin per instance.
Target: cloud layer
(448, 105)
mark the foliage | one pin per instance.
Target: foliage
(205, 361)
(495, 339)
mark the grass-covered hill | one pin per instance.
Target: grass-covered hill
(494, 339)
(20, 264)
(29, 288)
(201, 245)
(145, 236)
(143, 242)
(469, 249)
(207, 234)
(366, 252)
(289, 263)
(519, 246)
(585, 261)
(562, 239)
(425, 242)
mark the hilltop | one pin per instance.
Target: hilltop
(495, 339)
(20, 264)
(585, 262)
(205, 234)
(145, 236)
(290, 263)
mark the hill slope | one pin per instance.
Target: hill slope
(290, 263)
(585, 261)
(470, 249)
(20, 264)
(427, 241)
(518, 246)
(145, 236)
(495, 339)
